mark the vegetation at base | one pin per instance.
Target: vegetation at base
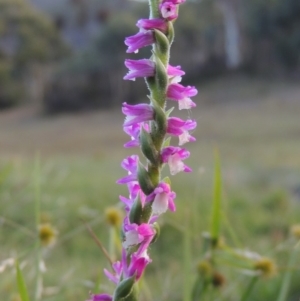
(260, 200)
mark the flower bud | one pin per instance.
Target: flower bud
(148, 147)
(144, 180)
(135, 214)
(125, 290)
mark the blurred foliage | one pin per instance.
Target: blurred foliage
(277, 24)
(26, 37)
(94, 77)
(10, 91)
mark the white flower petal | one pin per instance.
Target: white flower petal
(184, 138)
(160, 203)
(132, 238)
(175, 164)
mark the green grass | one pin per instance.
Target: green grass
(255, 125)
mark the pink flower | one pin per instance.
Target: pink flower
(175, 71)
(181, 128)
(139, 68)
(118, 269)
(175, 1)
(137, 113)
(100, 297)
(163, 198)
(168, 10)
(131, 165)
(136, 234)
(138, 265)
(182, 94)
(174, 156)
(134, 192)
(141, 39)
(175, 74)
(148, 24)
(134, 132)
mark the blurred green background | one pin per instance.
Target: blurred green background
(61, 89)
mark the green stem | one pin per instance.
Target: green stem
(154, 9)
(37, 197)
(249, 289)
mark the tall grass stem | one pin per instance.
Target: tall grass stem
(287, 277)
(37, 206)
(216, 211)
(21, 283)
(249, 289)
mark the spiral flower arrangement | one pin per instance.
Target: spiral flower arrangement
(150, 126)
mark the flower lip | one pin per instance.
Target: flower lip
(149, 24)
(174, 156)
(182, 94)
(137, 113)
(139, 68)
(141, 39)
(175, 71)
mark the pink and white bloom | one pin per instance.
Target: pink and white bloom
(138, 264)
(136, 234)
(148, 24)
(182, 94)
(174, 156)
(140, 40)
(168, 10)
(139, 68)
(137, 113)
(131, 165)
(175, 74)
(163, 199)
(181, 128)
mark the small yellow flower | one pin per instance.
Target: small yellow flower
(113, 216)
(47, 234)
(266, 267)
(295, 230)
(205, 268)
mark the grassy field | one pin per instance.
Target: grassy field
(255, 124)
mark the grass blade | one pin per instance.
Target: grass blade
(187, 259)
(287, 277)
(249, 289)
(216, 211)
(37, 209)
(21, 284)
